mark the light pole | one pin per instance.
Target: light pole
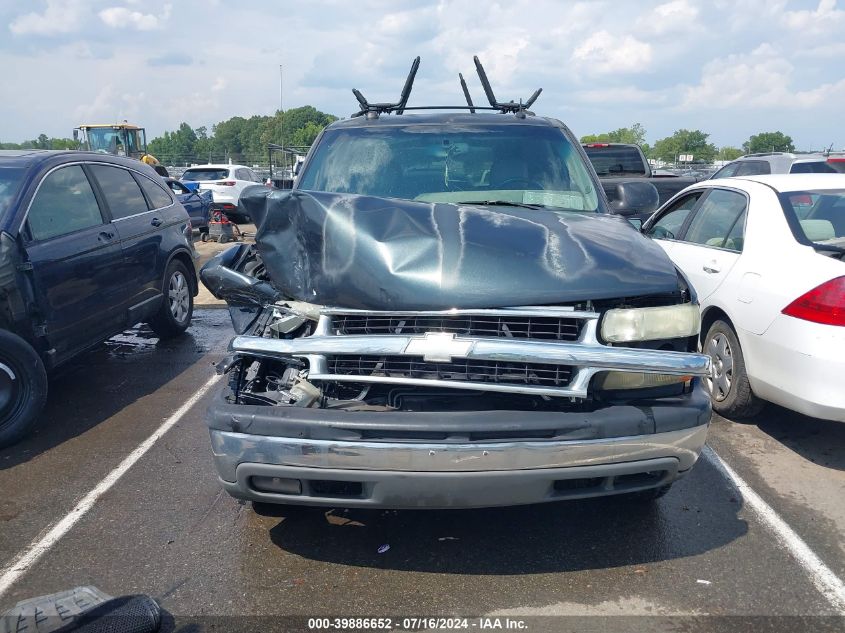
(281, 81)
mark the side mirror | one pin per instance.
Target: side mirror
(635, 198)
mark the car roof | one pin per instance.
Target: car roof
(217, 166)
(785, 182)
(33, 157)
(444, 118)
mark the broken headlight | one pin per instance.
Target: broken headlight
(647, 324)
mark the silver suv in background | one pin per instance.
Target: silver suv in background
(783, 163)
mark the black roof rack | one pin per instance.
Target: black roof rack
(374, 110)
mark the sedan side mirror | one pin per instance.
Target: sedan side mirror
(635, 197)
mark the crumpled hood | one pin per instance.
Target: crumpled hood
(388, 254)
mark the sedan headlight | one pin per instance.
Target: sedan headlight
(647, 324)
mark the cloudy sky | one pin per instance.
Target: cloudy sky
(729, 67)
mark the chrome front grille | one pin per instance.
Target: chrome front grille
(476, 371)
(501, 326)
(542, 350)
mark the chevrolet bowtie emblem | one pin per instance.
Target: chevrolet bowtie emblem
(438, 347)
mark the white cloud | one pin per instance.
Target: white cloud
(672, 17)
(606, 53)
(616, 95)
(826, 18)
(123, 18)
(60, 16)
(761, 79)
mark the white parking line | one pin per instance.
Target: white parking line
(828, 583)
(28, 557)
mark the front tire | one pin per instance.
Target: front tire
(177, 307)
(23, 388)
(729, 387)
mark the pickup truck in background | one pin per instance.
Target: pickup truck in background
(619, 162)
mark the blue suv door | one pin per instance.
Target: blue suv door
(140, 234)
(76, 263)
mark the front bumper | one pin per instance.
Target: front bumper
(615, 449)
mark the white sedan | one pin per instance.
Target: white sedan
(766, 256)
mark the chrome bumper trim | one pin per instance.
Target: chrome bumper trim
(507, 350)
(231, 449)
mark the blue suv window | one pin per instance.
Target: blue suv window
(122, 193)
(156, 194)
(65, 203)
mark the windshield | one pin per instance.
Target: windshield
(10, 182)
(472, 164)
(817, 216)
(197, 175)
(613, 160)
(106, 140)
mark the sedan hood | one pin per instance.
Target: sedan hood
(389, 254)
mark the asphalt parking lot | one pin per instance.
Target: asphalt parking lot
(161, 525)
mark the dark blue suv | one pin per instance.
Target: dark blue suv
(90, 244)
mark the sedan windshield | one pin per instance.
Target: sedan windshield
(197, 175)
(10, 181)
(516, 165)
(817, 216)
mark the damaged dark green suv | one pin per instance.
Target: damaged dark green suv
(443, 313)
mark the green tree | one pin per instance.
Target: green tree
(729, 153)
(204, 146)
(304, 136)
(768, 142)
(685, 142)
(631, 135)
(240, 139)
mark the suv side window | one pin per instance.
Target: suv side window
(65, 203)
(156, 194)
(812, 167)
(252, 176)
(716, 220)
(668, 226)
(727, 171)
(177, 187)
(122, 193)
(241, 174)
(753, 168)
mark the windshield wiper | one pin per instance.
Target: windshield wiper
(504, 203)
(828, 247)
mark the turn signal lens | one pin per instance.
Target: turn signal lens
(613, 380)
(824, 304)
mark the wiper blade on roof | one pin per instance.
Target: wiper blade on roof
(503, 203)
